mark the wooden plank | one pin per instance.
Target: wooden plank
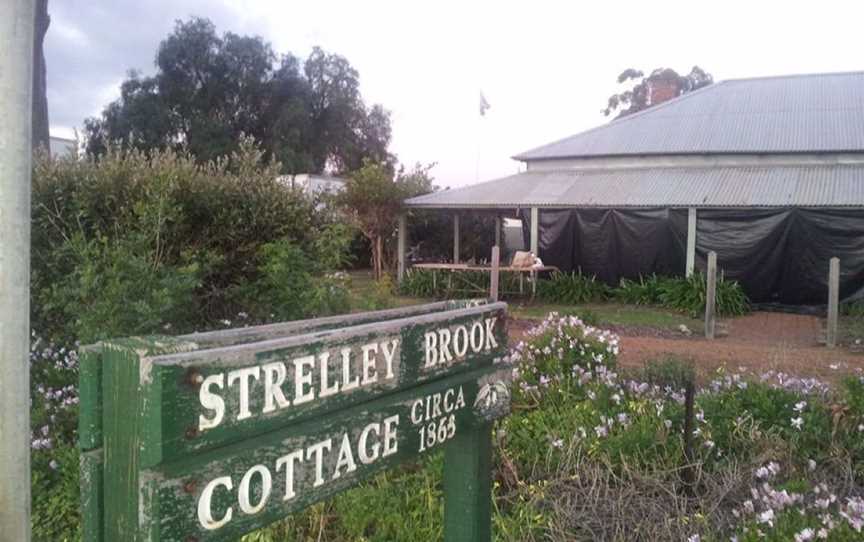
(228, 337)
(92, 497)
(199, 400)
(833, 302)
(90, 398)
(90, 375)
(468, 486)
(124, 428)
(223, 494)
(711, 296)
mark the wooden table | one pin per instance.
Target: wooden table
(462, 267)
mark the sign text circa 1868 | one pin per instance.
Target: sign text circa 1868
(209, 436)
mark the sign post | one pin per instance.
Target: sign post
(211, 436)
(16, 65)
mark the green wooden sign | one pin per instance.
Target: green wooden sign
(210, 438)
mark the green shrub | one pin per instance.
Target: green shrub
(119, 287)
(189, 222)
(645, 291)
(688, 295)
(854, 309)
(571, 289)
(420, 283)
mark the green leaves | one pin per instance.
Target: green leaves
(209, 90)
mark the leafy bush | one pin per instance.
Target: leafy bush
(683, 294)
(688, 294)
(645, 291)
(160, 226)
(854, 309)
(571, 288)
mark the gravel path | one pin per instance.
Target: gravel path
(756, 343)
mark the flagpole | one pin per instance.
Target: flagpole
(16, 90)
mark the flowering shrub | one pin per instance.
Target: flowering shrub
(53, 422)
(808, 512)
(571, 405)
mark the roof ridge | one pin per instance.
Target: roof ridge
(794, 75)
(620, 120)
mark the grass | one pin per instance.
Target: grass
(610, 314)
(851, 328)
(365, 289)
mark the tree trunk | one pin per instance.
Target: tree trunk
(40, 92)
(378, 256)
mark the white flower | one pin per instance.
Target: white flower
(800, 406)
(667, 423)
(806, 534)
(811, 465)
(694, 538)
(766, 517)
(558, 443)
(797, 422)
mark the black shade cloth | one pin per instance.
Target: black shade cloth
(778, 255)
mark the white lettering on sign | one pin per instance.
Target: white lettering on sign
(376, 363)
(376, 441)
(435, 413)
(481, 337)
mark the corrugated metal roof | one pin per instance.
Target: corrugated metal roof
(776, 186)
(799, 113)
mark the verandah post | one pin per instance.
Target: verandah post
(468, 486)
(535, 231)
(456, 238)
(16, 91)
(833, 302)
(691, 241)
(711, 296)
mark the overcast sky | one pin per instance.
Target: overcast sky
(546, 68)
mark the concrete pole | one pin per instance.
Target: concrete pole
(16, 94)
(691, 241)
(493, 280)
(535, 231)
(833, 302)
(402, 246)
(456, 238)
(497, 231)
(711, 296)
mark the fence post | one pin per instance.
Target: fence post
(833, 302)
(497, 231)
(711, 296)
(468, 486)
(16, 91)
(493, 280)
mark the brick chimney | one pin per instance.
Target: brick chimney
(662, 89)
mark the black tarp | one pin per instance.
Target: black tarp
(778, 255)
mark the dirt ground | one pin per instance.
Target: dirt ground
(755, 343)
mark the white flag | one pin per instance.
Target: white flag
(484, 105)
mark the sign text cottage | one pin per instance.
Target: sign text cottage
(216, 442)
